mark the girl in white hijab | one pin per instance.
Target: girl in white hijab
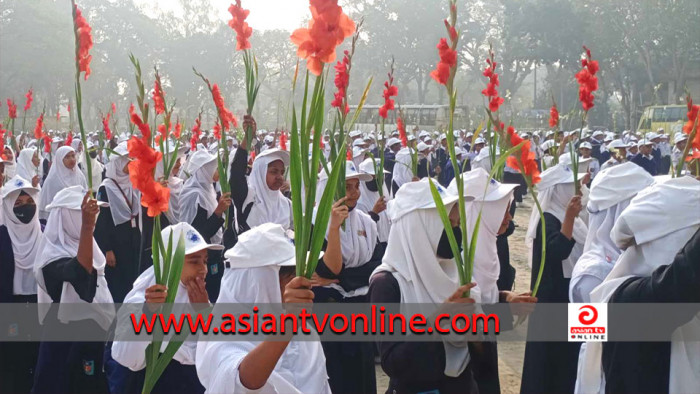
(659, 235)
(369, 199)
(69, 269)
(10, 165)
(259, 199)
(28, 166)
(418, 268)
(20, 235)
(611, 192)
(551, 366)
(200, 208)
(287, 366)
(64, 173)
(180, 375)
(117, 230)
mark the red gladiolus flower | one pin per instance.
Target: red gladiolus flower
(58, 115)
(283, 141)
(587, 80)
(320, 143)
(328, 27)
(217, 131)
(196, 132)
(178, 130)
(154, 196)
(695, 155)
(47, 143)
(105, 127)
(29, 97)
(158, 98)
(39, 128)
(348, 154)
(252, 156)
(84, 38)
(342, 80)
(114, 108)
(69, 107)
(491, 92)
(240, 26)
(524, 157)
(143, 127)
(451, 30)
(69, 139)
(2, 138)
(402, 132)
(227, 118)
(553, 117)
(389, 91)
(11, 109)
(448, 60)
(693, 120)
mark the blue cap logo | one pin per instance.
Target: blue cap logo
(19, 183)
(192, 236)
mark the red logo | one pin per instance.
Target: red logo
(589, 315)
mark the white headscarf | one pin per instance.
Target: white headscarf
(10, 166)
(25, 167)
(492, 207)
(655, 226)
(611, 192)
(61, 239)
(59, 178)
(269, 206)
(124, 200)
(25, 237)
(199, 189)
(368, 198)
(402, 167)
(175, 184)
(411, 257)
(302, 367)
(554, 192)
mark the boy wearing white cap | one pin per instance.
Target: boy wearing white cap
(644, 158)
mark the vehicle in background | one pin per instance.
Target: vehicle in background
(667, 117)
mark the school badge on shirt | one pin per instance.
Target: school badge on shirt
(89, 367)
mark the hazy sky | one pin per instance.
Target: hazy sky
(264, 14)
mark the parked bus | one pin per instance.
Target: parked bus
(668, 117)
(422, 117)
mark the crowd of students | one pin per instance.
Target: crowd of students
(630, 235)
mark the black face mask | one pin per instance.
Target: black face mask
(25, 213)
(93, 154)
(372, 185)
(444, 251)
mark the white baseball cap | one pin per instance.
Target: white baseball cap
(194, 242)
(351, 172)
(392, 141)
(617, 144)
(270, 238)
(586, 145)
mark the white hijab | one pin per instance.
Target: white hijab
(175, 184)
(302, 367)
(25, 168)
(554, 192)
(411, 257)
(368, 198)
(269, 206)
(651, 240)
(25, 237)
(402, 167)
(491, 199)
(124, 200)
(59, 178)
(611, 192)
(198, 189)
(61, 239)
(10, 166)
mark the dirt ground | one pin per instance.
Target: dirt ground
(510, 354)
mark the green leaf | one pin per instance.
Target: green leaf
(445, 217)
(178, 260)
(296, 185)
(322, 217)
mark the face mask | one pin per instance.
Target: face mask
(444, 251)
(25, 213)
(93, 154)
(371, 186)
